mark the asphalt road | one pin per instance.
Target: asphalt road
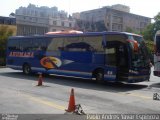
(19, 94)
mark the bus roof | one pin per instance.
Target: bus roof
(132, 34)
(76, 34)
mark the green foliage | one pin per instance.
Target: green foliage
(150, 30)
(156, 26)
(157, 17)
(5, 32)
(150, 45)
(128, 29)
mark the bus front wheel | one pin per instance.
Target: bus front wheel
(26, 69)
(99, 76)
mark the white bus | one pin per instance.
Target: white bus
(157, 54)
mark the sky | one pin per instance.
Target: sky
(148, 8)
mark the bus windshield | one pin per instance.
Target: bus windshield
(141, 57)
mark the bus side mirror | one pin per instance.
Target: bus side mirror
(135, 46)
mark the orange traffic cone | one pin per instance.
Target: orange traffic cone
(71, 105)
(40, 80)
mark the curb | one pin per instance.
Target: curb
(2, 66)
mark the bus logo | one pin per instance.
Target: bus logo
(21, 54)
(50, 62)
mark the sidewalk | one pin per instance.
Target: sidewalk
(2, 66)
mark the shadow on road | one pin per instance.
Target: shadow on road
(80, 83)
(157, 85)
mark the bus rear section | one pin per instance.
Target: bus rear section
(157, 54)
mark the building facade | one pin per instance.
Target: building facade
(116, 18)
(33, 20)
(120, 7)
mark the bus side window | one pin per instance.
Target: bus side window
(110, 56)
(45, 42)
(79, 47)
(72, 44)
(38, 44)
(55, 44)
(95, 43)
(26, 45)
(13, 44)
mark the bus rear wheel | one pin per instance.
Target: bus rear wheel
(26, 69)
(99, 76)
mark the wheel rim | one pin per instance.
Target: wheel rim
(26, 69)
(99, 76)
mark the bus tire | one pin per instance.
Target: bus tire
(99, 75)
(26, 69)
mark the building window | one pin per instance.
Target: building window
(28, 12)
(70, 25)
(55, 23)
(62, 23)
(36, 13)
(53, 30)
(42, 14)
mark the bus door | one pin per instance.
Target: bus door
(110, 59)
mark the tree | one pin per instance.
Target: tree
(12, 15)
(157, 17)
(128, 29)
(151, 29)
(5, 32)
(148, 32)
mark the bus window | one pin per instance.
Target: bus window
(110, 56)
(78, 47)
(37, 44)
(26, 44)
(120, 38)
(95, 42)
(55, 44)
(73, 44)
(13, 44)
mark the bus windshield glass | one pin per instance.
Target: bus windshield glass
(141, 57)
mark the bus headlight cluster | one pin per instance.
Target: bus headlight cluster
(110, 73)
(132, 71)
